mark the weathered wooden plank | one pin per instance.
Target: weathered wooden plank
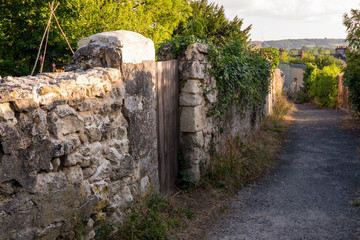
(168, 123)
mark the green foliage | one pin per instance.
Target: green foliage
(352, 71)
(309, 75)
(284, 57)
(178, 44)
(326, 60)
(324, 87)
(352, 79)
(104, 230)
(272, 55)
(22, 24)
(308, 58)
(301, 97)
(153, 19)
(209, 22)
(242, 77)
(148, 220)
(242, 74)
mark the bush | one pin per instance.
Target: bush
(324, 87)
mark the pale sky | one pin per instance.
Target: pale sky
(289, 19)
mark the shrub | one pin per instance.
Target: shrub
(324, 87)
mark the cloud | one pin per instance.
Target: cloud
(307, 10)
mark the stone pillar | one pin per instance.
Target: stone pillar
(193, 108)
(134, 55)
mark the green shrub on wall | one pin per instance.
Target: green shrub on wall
(242, 73)
(242, 76)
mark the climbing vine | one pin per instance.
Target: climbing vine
(242, 75)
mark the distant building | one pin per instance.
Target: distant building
(302, 53)
(340, 53)
(294, 77)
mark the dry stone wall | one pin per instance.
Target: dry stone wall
(201, 135)
(78, 146)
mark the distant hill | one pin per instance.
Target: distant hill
(299, 43)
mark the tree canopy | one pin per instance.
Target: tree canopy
(352, 71)
(22, 24)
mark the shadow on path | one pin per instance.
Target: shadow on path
(308, 196)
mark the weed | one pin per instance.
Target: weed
(189, 214)
(105, 230)
(301, 97)
(79, 227)
(355, 204)
(223, 209)
(154, 218)
(184, 178)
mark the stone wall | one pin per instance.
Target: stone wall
(78, 146)
(199, 134)
(343, 101)
(293, 74)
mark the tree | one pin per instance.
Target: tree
(352, 71)
(22, 24)
(308, 58)
(327, 60)
(284, 57)
(209, 22)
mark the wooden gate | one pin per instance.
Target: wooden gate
(168, 122)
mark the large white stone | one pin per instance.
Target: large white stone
(135, 48)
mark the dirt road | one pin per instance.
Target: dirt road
(309, 195)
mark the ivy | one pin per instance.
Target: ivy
(242, 75)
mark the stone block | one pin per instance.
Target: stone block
(101, 191)
(192, 86)
(103, 171)
(6, 113)
(197, 139)
(55, 163)
(93, 134)
(191, 70)
(71, 142)
(89, 171)
(135, 48)
(191, 100)
(73, 159)
(64, 120)
(196, 51)
(25, 105)
(192, 119)
(74, 175)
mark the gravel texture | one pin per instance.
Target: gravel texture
(309, 194)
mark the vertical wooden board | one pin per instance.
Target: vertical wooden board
(168, 132)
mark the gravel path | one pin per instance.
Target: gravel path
(308, 196)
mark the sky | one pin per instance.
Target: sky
(291, 19)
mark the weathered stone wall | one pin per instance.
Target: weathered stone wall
(276, 86)
(293, 74)
(199, 134)
(77, 147)
(343, 101)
